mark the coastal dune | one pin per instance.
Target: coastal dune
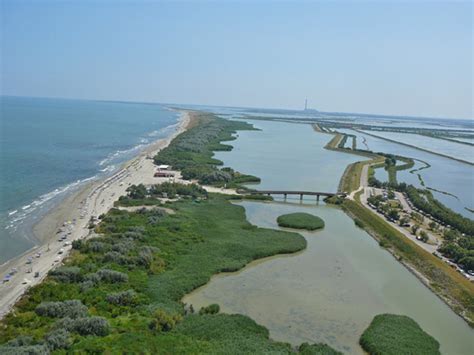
(70, 219)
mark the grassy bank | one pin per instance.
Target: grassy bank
(128, 284)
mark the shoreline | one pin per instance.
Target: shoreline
(72, 216)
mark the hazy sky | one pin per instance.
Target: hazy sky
(412, 58)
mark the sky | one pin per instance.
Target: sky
(387, 57)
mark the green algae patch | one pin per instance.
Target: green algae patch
(300, 221)
(395, 334)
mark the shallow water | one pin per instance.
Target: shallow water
(442, 146)
(287, 156)
(331, 291)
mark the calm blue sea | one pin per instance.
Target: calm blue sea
(49, 147)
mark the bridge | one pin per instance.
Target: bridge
(300, 193)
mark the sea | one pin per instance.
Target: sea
(49, 148)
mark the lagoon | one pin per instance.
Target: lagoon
(330, 291)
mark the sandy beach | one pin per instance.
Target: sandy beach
(69, 220)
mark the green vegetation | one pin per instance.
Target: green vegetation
(300, 221)
(424, 200)
(459, 248)
(350, 180)
(317, 349)
(446, 282)
(334, 200)
(393, 334)
(390, 165)
(122, 291)
(139, 195)
(192, 151)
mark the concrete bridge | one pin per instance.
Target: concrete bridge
(300, 193)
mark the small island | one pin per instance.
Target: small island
(300, 221)
(395, 334)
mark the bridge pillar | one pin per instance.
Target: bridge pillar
(317, 198)
(284, 196)
(301, 197)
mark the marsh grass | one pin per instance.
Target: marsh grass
(394, 334)
(300, 221)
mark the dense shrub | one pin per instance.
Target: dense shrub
(123, 298)
(22, 340)
(39, 349)
(359, 223)
(335, 200)
(77, 244)
(107, 275)
(145, 257)
(70, 308)
(123, 247)
(86, 285)
(58, 339)
(96, 246)
(85, 326)
(192, 152)
(211, 309)
(163, 321)
(115, 257)
(67, 274)
(135, 235)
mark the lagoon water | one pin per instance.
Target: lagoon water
(330, 291)
(50, 147)
(442, 146)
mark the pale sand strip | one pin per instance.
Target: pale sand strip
(91, 201)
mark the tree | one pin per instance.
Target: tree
(417, 217)
(433, 226)
(467, 262)
(393, 214)
(414, 229)
(137, 192)
(424, 236)
(404, 220)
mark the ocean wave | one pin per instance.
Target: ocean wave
(143, 142)
(27, 210)
(165, 131)
(108, 168)
(117, 154)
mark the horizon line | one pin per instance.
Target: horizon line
(383, 115)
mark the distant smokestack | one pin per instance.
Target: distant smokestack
(305, 104)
